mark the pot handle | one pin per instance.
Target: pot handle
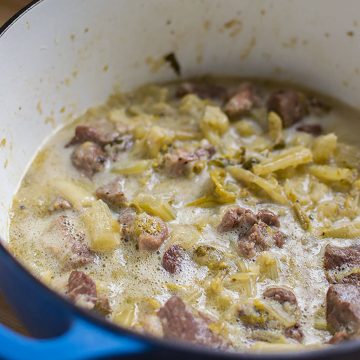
(82, 340)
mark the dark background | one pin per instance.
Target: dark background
(9, 7)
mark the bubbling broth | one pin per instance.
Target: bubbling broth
(221, 212)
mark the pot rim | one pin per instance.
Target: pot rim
(159, 343)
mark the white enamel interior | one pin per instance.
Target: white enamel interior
(52, 59)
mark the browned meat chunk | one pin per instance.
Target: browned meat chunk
(179, 322)
(149, 231)
(295, 333)
(67, 244)
(88, 158)
(59, 204)
(289, 105)
(279, 238)
(82, 255)
(247, 247)
(281, 295)
(202, 90)
(172, 259)
(178, 163)
(153, 241)
(259, 238)
(237, 218)
(242, 101)
(254, 230)
(112, 193)
(337, 259)
(268, 217)
(343, 308)
(313, 129)
(126, 218)
(81, 289)
(101, 133)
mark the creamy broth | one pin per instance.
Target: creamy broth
(248, 159)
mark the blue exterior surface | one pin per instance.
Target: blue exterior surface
(82, 340)
(65, 333)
